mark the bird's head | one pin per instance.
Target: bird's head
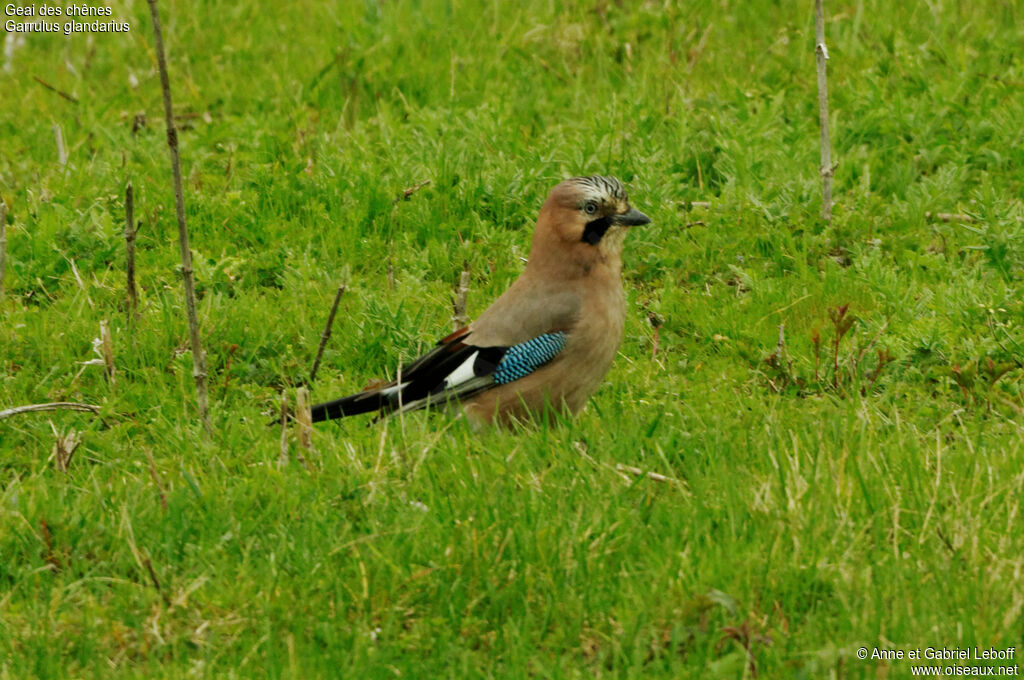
(586, 218)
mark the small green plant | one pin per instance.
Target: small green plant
(847, 368)
(842, 323)
(977, 378)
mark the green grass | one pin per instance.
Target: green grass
(812, 512)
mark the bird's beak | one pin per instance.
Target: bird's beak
(633, 218)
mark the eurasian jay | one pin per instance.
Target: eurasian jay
(548, 340)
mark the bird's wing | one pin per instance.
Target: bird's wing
(455, 369)
(528, 309)
(525, 328)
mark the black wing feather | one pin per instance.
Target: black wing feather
(423, 380)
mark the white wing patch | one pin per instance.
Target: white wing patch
(393, 389)
(463, 373)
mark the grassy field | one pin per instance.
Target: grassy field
(822, 496)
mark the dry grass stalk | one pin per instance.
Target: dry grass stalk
(326, 335)
(949, 217)
(53, 406)
(637, 472)
(62, 152)
(198, 357)
(621, 469)
(826, 169)
(459, 317)
(108, 352)
(78, 280)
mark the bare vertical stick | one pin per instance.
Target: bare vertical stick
(3, 246)
(459, 318)
(282, 458)
(108, 351)
(326, 335)
(198, 358)
(826, 168)
(129, 237)
(304, 418)
(62, 152)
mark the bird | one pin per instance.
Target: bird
(548, 341)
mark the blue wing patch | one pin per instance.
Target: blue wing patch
(523, 359)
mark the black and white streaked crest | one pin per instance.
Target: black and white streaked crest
(602, 188)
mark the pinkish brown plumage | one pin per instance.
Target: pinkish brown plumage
(549, 340)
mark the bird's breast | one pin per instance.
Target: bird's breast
(569, 380)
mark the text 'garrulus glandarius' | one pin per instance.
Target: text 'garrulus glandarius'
(548, 340)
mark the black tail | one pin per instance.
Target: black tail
(424, 382)
(354, 404)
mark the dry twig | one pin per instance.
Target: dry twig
(826, 169)
(3, 245)
(52, 88)
(53, 406)
(198, 357)
(130, 231)
(326, 335)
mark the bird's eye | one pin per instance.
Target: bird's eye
(590, 207)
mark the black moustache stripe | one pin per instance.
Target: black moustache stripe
(595, 229)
